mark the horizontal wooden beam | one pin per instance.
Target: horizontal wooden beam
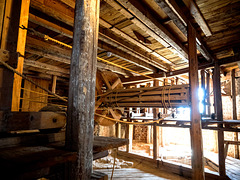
(183, 170)
(45, 66)
(123, 35)
(107, 36)
(15, 121)
(223, 61)
(125, 56)
(195, 12)
(142, 18)
(44, 49)
(68, 18)
(181, 23)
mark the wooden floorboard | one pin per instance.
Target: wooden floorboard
(134, 173)
(232, 165)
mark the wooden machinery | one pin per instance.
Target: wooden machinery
(161, 97)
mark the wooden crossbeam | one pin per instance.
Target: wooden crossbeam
(16, 121)
(157, 31)
(180, 20)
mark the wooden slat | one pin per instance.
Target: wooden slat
(24, 162)
(196, 128)
(32, 101)
(125, 56)
(153, 105)
(157, 31)
(180, 169)
(195, 12)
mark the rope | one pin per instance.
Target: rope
(27, 99)
(41, 93)
(31, 81)
(46, 37)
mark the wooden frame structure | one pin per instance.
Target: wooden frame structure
(60, 41)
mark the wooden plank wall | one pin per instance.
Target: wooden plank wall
(32, 101)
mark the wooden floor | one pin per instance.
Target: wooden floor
(135, 174)
(232, 165)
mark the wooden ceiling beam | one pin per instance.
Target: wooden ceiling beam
(115, 30)
(181, 19)
(142, 18)
(221, 62)
(46, 67)
(152, 56)
(139, 62)
(41, 48)
(125, 56)
(114, 42)
(195, 12)
(43, 75)
(181, 23)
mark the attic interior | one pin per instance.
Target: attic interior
(87, 85)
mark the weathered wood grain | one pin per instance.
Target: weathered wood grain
(81, 99)
(196, 128)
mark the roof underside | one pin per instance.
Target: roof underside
(147, 36)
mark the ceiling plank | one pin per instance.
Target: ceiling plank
(43, 49)
(150, 25)
(181, 23)
(125, 56)
(221, 62)
(195, 12)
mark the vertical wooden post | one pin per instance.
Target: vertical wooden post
(119, 130)
(196, 128)
(2, 9)
(177, 80)
(203, 87)
(54, 83)
(218, 107)
(208, 107)
(149, 132)
(12, 10)
(22, 34)
(234, 106)
(130, 137)
(155, 128)
(81, 99)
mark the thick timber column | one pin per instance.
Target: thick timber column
(218, 108)
(22, 35)
(81, 99)
(196, 128)
(14, 13)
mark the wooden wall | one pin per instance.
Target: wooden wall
(33, 101)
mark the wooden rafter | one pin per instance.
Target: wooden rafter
(180, 20)
(150, 25)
